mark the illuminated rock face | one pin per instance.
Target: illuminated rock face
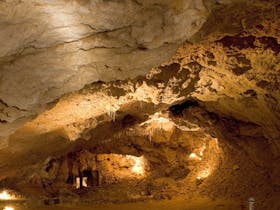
(206, 120)
(49, 48)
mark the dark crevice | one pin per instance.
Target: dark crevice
(238, 42)
(17, 108)
(179, 108)
(247, 42)
(3, 121)
(270, 43)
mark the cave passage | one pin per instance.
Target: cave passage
(140, 104)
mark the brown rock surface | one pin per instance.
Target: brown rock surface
(207, 121)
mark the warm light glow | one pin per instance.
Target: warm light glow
(84, 182)
(160, 119)
(158, 122)
(202, 149)
(139, 164)
(203, 174)
(8, 208)
(77, 182)
(210, 154)
(157, 118)
(5, 196)
(194, 156)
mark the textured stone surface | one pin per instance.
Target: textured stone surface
(234, 75)
(218, 96)
(49, 48)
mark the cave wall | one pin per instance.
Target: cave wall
(220, 91)
(50, 48)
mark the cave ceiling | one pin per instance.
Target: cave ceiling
(70, 70)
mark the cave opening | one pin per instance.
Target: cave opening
(90, 178)
(87, 178)
(93, 171)
(93, 178)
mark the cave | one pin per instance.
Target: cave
(140, 104)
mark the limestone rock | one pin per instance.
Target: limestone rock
(49, 48)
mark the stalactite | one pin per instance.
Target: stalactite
(111, 112)
(151, 131)
(113, 115)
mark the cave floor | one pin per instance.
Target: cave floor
(174, 204)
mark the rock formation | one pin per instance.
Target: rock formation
(190, 86)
